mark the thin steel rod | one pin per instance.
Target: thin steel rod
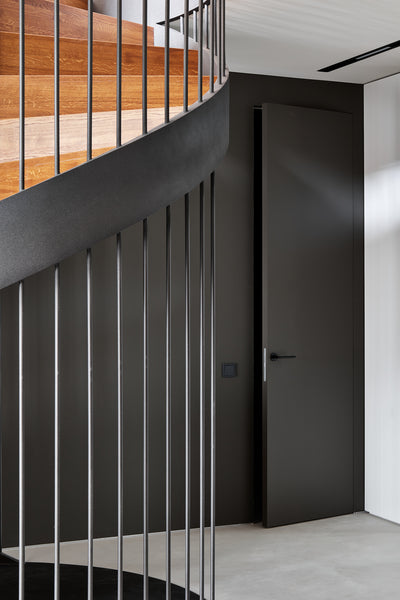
(213, 392)
(186, 58)
(119, 73)
(195, 28)
(208, 26)
(166, 61)
(202, 393)
(21, 445)
(56, 432)
(145, 418)
(187, 399)
(21, 94)
(90, 81)
(215, 10)
(56, 87)
(144, 66)
(224, 36)
(168, 406)
(120, 426)
(212, 44)
(90, 418)
(219, 40)
(200, 42)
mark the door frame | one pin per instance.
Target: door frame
(259, 448)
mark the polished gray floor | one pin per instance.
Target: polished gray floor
(355, 557)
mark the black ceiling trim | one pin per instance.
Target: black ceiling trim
(364, 56)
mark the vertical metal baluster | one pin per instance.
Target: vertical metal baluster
(120, 427)
(181, 25)
(202, 393)
(56, 87)
(21, 94)
(215, 28)
(224, 37)
(195, 28)
(56, 313)
(56, 433)
(90, 81)
(200, 41)
(213, 393)
(119, 73)
(166, 61)
(145, 418)
(21, 444)
(90, 419)
(187, 399)
(168, 406)
(186, 58)
(208, 25)
(219, 41)
(212, 46)
(144, 67)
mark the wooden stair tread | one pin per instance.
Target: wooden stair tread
(40, 138)
(39, 93)
(39, 20)
(75, 3)
(38, 170)
(39, 132)
(39, 57)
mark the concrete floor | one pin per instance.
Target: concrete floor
(355, 557)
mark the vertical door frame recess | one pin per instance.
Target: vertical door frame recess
(259, 490)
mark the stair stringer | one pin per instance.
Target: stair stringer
(55, 219)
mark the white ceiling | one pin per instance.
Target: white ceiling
(295, 38)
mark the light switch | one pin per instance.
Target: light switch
(229, 370)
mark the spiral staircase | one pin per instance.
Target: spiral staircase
(104, 122)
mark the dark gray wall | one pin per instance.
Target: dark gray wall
(235, 277)
(235, 431)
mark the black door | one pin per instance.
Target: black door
(307, 314)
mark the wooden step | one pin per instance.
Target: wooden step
(39, 20)
(76, 3)
(37, 170)
(39, 132)
(39, 57)
(40, 139)
(39, 93)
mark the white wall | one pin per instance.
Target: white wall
(132, 11)
(382, 287)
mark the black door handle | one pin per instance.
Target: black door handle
(274, 356)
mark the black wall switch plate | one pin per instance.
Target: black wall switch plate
(229, 369)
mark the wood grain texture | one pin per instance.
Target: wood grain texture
(39, 20)
(39, 57)
(39, 93)
(76, 3)
(39, 132)
(38, 170)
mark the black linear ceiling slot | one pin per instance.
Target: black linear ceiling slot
(355, 59)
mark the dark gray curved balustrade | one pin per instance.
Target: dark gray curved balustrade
(51, 221)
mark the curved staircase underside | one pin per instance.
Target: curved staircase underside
(39, 87)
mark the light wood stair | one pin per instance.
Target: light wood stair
(39, 20)
(39, 91)
(76, 3)
(39, 87)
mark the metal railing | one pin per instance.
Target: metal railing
(202, 28)
(207, 23)
(207, 390)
